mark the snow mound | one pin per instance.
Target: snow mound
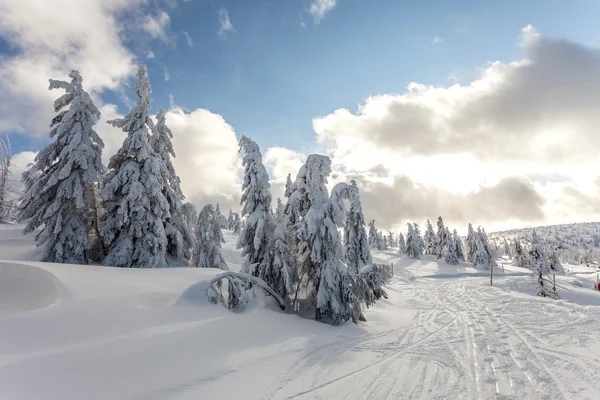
(196, 294)
(25, 288)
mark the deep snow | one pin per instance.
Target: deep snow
(91, 332)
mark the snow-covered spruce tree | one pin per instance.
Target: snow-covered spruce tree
(230, 220)
(279, 210)
(237, 224)
(430, 240)
(471, 246)
(220, 217)
(132, 194)
(188, 210)
(207, 250)
(506, 248)
(540, 267)
(289, 187)
(401, 243)
(381, 241)
(459, 247)
(180, 240)
(491, 250)
(281, 270)
(441, 239)
(554, 262)
(449, 250)
(414, 242)
(373, 235)
(5, 184)
(356, 242)
(60, 199)
(520, 258)
(257, 234)
(481, 257)
(335, 299)
(391, 241)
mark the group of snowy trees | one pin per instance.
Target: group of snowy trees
(7, 200)
(298, 250)
(130, 214)
(442, 244)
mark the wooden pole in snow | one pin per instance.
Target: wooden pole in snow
(491, 271)
(554, 285)
(392, 268)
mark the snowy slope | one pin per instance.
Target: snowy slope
(88, 332)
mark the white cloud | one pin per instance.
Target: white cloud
(225, 24)
(157, 25)
(50, 39)
(436, 40)
(302, 22)
(166, 74)
(320, 8)
(188, 39)
(150, 54)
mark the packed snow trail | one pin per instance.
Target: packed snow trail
(97, 333)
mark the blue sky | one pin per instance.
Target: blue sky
(272, 75)
(500, 130)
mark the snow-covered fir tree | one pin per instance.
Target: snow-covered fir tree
(449, 250)
(282, 268)
(520, 259)
(373, 235)
(134, 202)
(481, 257)
(491, 250)
(180, 239)
(220, 217)
(188, 210)
(60, 185)
(430, 240)
(540, 267)
(289, 187)
(554, 262)
(381, 241)
(207, 250)
(471, 245)
(356, 242)
(441, 239)
(230, 220)
(391, 241)
(459, 247)
(237, 224)
(506, 249)
(255, 238)
(401, 244)
(414, 242)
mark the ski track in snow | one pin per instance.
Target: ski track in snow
(467, 341)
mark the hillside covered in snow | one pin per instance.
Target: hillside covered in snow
(93, 332)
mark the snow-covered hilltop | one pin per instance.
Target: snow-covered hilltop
(577, 243)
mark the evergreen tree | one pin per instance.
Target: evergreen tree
(381, 241)
(180, 238)
(471, 245)
(491, 251)
(188, 210)
(356, 242)
(373, 236)
(449, 249)
(441, 239)
(519, 257)
(554, 262)
(481, 257)
(60, 185)
(401, 243)
(430, 240)
(237, 224)
(289, 187)
(414, 242)
(459, 247)
(506, 248)
(220, 217)
(540, 267)
(255, 238)
(391, 241)
(230, 220)
(207, 251)
(135, 205)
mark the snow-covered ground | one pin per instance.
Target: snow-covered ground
(91, 332)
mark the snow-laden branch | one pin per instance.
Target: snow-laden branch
(236, 279)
